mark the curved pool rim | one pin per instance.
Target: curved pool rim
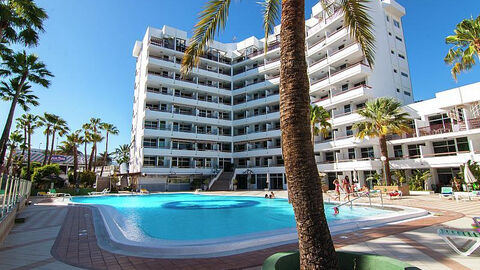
(108, 223)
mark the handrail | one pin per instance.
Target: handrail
(215, 178)
(360, 194)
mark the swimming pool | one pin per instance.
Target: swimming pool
(209, 225)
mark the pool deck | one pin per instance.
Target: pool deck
(63, 237)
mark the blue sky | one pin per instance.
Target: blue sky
(88, 47)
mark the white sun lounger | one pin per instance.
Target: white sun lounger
(103, 192)
(471, 244)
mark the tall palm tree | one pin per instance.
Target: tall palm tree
(383, 116)
(109, 129)
(466, 46)
(25, 68)
(86, 128)
(318, 115)
(94, 126)
(59, 127)
(22, 125)
(20, 21)
(47, 121)
(122, 154)
(16, 138)
(72, 141)
(94, 138)
(30, 122)
(315, 243)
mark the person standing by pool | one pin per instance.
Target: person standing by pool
(346, 187)
(337, 189)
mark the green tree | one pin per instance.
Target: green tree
(94, 137)
(72, 142)
(319, 121)
(86, 128)
(466, 46)
(25, 68)
(47, 121)
(60, 127)
(109, 129)
(418, 180)
(16, 139)
(21, 21)
(122, 154)
(30, 122)
(315, 243)
(383, 116)
(45, 172)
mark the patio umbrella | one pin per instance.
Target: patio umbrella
(469, 178)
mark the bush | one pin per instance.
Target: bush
(87, 178)
(40, 173)
(33, 165)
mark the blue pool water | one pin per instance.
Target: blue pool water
(184, 216)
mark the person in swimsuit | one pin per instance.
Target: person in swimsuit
(337, 189)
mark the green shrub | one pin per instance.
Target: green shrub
(40, 174)
(87, 178)
(33, 165)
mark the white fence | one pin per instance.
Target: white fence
(12, 191)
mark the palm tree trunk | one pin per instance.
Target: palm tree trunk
(386, 164)
(90, 161)
(312, 130)
(51, 147)
(105, 156)
(46, 150)
(75, 166)
(304, 185)
(85, 156)
(29, 145)
(6, 129)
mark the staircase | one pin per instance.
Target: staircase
(223, 182)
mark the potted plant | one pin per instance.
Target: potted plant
(235, 183)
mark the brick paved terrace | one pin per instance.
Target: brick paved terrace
(63, 237)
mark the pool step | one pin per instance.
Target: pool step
(223, 182)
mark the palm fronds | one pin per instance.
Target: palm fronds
(211, 20)
(271, 14)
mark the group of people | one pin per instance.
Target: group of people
(349, 189)
(270, 196)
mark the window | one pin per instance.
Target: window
(414, 150)
(462, 144)
(447, 147)
(392, 52)
(404, 74)
(398, 90)
(401, 56)
(180, 162)
(397, 151)
(280, 160)
(351, 153)
(396, 23)
(329, 156)
(151, 124)
(388, 18)
(360, 106)
(389, 33)
(395, 71)
(398, 38)
(161, 162)
(407, 93)
(347, 108)
(150, 143)
(349, 131)
(367, 152)
(344, 87)
(149, 161)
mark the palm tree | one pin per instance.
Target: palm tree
(72, 141)
(47, 120)
(122, 154)
(383, 116)
(25, 68)
(16, 138)
(318, 115)
(94, 138)
(109, 129)
(58, 126)
(315, 243)
(30, 121)
(86, 139)
(94, 127)
(20, 21)
(466, 46)
(22, 125)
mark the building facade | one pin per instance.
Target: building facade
(225, 113)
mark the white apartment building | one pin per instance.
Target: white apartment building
(225, 114)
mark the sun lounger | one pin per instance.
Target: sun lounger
(465, 249)
(446, 192)
(97, 193)
(395, 195)
(53, 193)
(144, 191)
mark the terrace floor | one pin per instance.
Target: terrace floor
(63, 237)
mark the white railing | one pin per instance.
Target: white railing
(215, 179)
(13, 190)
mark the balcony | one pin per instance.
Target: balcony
(354, 71)
(340, 96)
